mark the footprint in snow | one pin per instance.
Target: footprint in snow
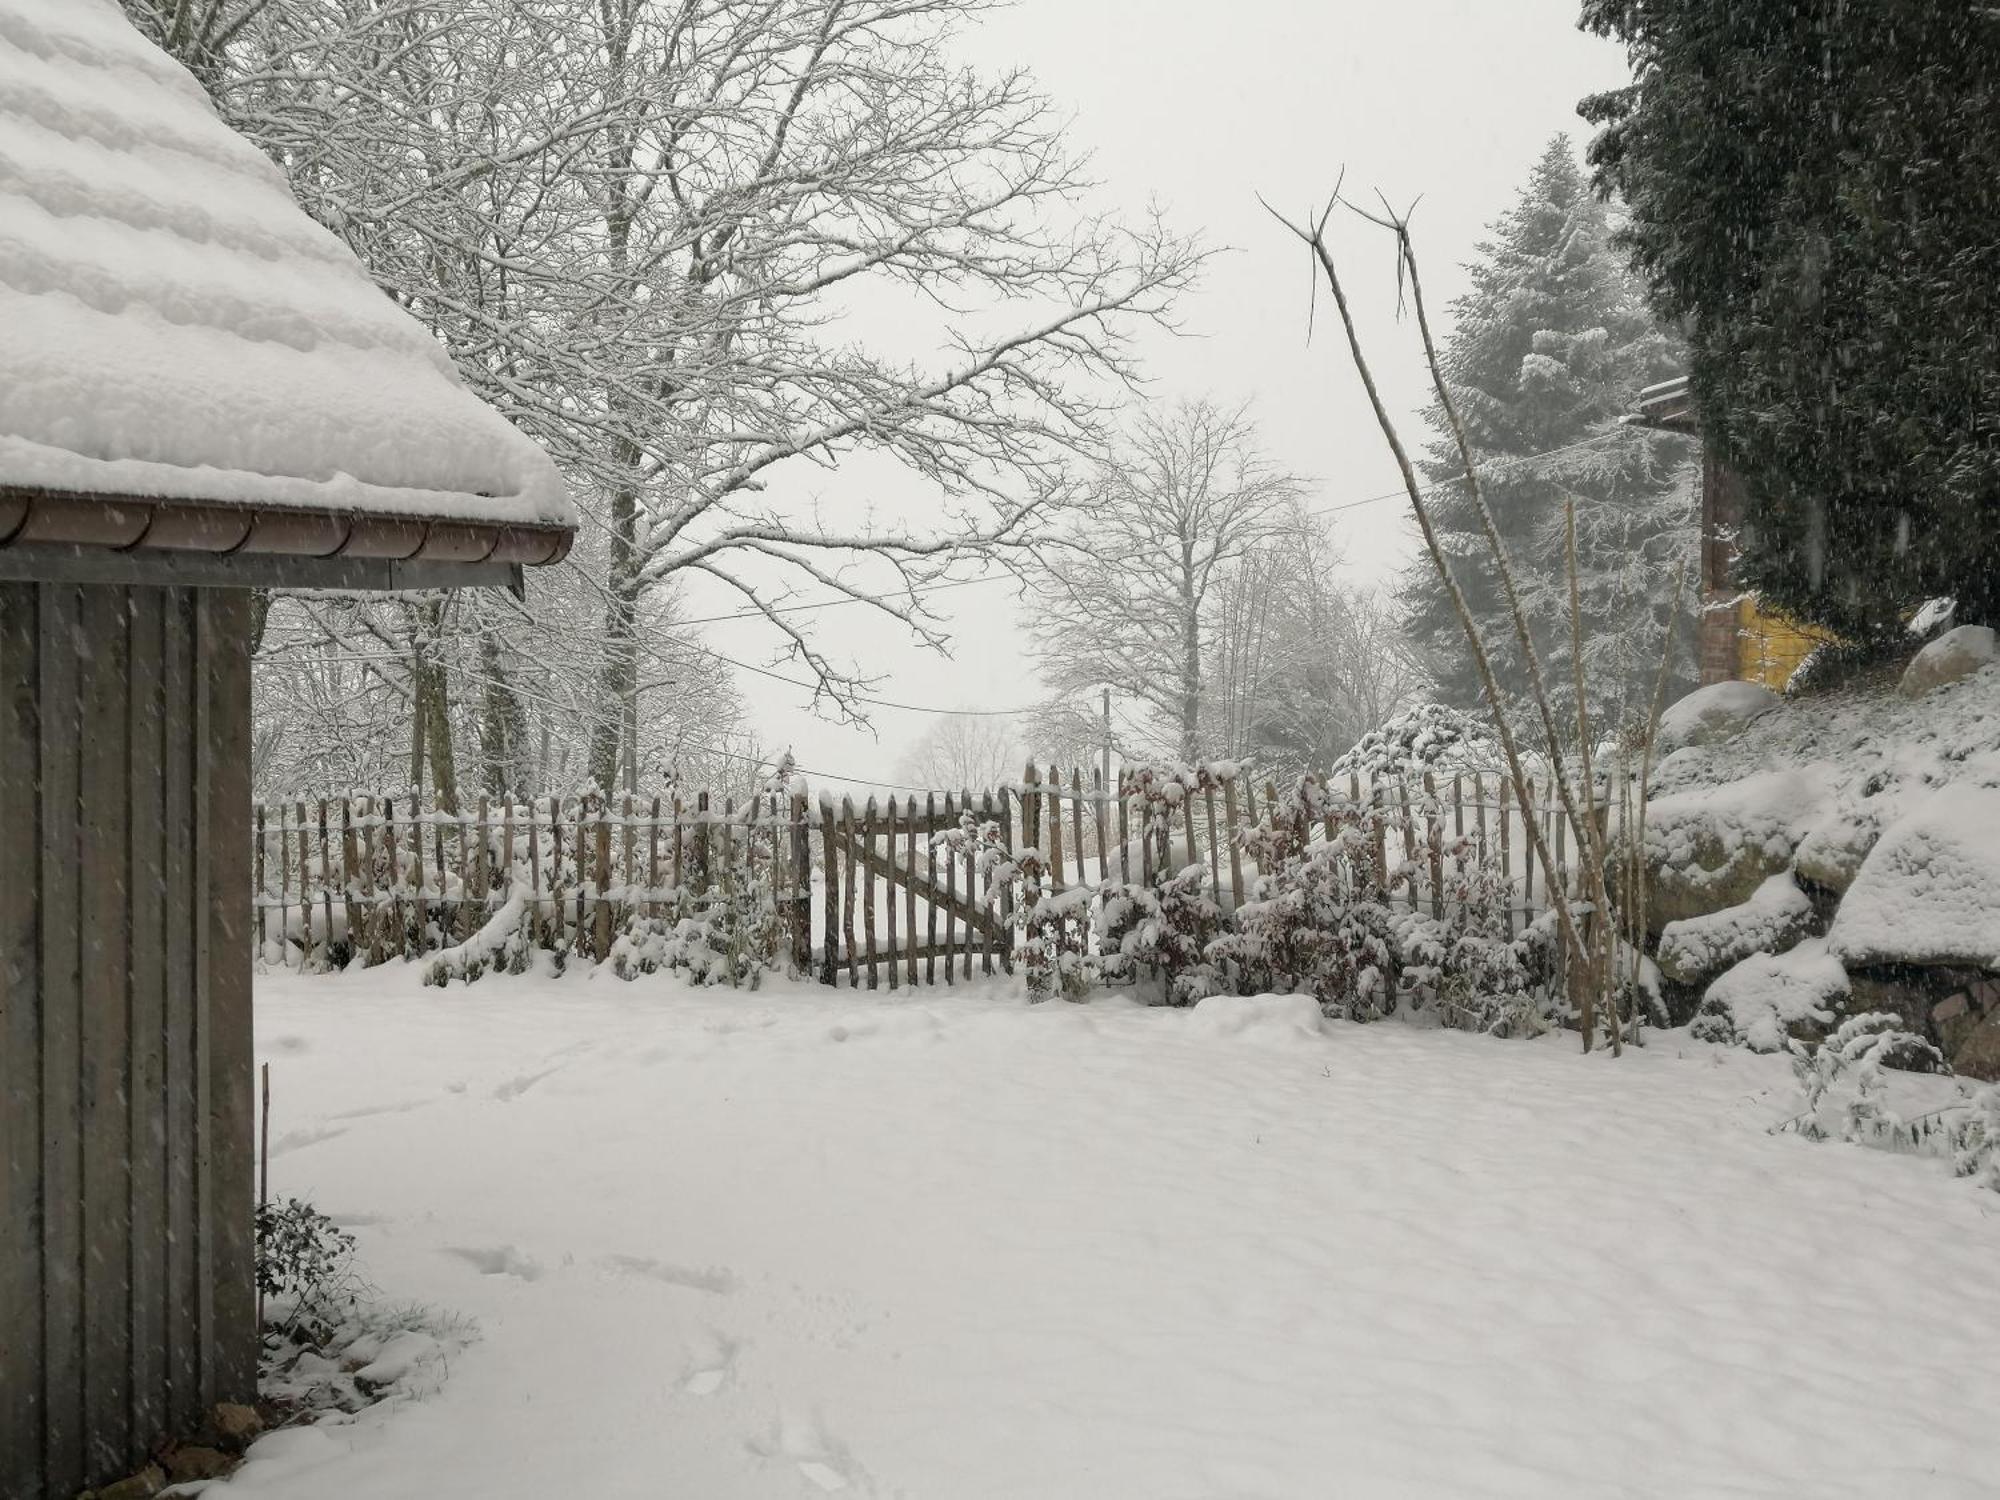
(503, 1260)
(715, 1279)
(312, 1135)
(816, 1456)
(514, 1088)
(710, 1359)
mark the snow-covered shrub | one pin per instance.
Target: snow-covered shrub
(1333, 914)
(1055, 946)
(1976, 1138)
(1462, 962)
(730, 934)
(1840, 1079)
(305, 1268)
(1427, 737)
(1162, 933)
(1319, 918)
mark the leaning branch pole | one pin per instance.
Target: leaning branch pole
(1315, 241)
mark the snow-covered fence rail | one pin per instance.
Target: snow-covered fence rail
(366, 878)
(856, 888)
(892, 902)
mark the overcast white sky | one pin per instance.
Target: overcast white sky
(1199, 107)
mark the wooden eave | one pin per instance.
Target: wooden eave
(65, 536)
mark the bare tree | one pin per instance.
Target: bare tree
(962, 752)
(639, 227)
(1135, 578)
(1302, 665)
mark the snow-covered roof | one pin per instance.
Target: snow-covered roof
(173, 327)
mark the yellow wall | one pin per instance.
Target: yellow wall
(1769, 646)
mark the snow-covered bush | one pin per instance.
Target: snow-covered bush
(1056, 958)
(1427, 737)
(729, 932)
(305, 1267)
(1333, 916)
(1462, 962)
(1840, 1079)
(1162, 934)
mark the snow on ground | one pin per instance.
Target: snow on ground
(946, 1246)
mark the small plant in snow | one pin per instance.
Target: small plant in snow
(305, 1267)
(1976, 1138)
(1841, 1079)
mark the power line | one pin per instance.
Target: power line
(1425, 489)
(835, 603)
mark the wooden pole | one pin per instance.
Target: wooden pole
(829, 969)
(263, 911)
(1055, 849)
(306, 888)
(931, 906)
(847, 892)
(951, 898)
(1235, 854)
(910, 887)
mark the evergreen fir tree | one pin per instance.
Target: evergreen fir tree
(1812, 192)
(1548, 350)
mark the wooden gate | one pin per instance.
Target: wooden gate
(919, 901)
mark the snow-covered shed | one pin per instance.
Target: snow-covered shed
(201, 393)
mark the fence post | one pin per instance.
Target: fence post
(1098, 792)
(326, 875)
(263, 910)
(951, 900)
(1055, 849)
(931, 906)
(698, 847)
(847, 942)
(1005, 915)
(305, 885)
(829, 972)
(868, 884)
(1434, 836)
(601, 937)
(895, 980)
(1235, 853)
(909, 890)
(801, 907)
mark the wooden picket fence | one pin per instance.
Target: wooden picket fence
(880, 900)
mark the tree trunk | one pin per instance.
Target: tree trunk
(429, 700)
(1190, 714)
(619, 676)
(503, 723)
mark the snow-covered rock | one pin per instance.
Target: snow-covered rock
(1929, 891)
(1955, 654)
(1831, 855)
(1711, 847)
(1770, 997)
(1775, 917)
(1717, 712)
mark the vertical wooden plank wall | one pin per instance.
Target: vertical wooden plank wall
(126, 1297)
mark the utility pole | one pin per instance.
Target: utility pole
(1107, 742)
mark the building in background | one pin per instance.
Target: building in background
(1738, 640)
